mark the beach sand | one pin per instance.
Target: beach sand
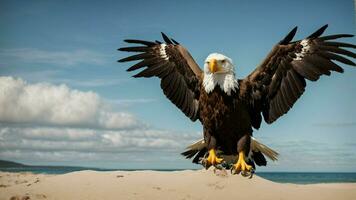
(182, 185)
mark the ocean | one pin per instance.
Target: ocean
(280, 177)
(309, 177)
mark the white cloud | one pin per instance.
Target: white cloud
(63, 58)
(123, 148)
(92, 140)
(44, 103)
(48, 123)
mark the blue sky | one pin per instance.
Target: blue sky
(85, 109)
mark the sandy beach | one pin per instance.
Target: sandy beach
(182, 185)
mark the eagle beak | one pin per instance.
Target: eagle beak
(213, 66)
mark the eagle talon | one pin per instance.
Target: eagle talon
(248, 174)
(212, 160)
(244, 174)
(241, 166)
(234, 171)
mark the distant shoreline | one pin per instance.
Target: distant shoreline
(280, 177)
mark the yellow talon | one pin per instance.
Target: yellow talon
(241, 165)
(213, 159)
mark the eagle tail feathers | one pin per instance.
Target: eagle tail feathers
(256, 146)
(197, 145)
(197, 149)
(259, 150)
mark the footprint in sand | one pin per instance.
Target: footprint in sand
(157, 188)
(221, 173)
(20, 182)
(20, 198)
(216, 186)
(40, 196)
(28, 197)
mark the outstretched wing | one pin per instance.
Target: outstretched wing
(171, 62)
(279, 81)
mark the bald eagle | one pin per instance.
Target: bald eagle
(230, 108)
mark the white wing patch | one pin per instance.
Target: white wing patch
(162, 51)
(305, 49)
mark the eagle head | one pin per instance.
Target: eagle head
(219, 71)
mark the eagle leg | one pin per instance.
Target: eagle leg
(212, 159)
(242, 166)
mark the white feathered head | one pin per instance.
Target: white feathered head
(219, 70)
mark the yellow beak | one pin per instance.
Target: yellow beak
(213, 66)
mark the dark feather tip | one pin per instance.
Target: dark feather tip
(147, 43)
(318, 32)
(121, 60)
(175, 42)
(166, 39)
(333, 37)
(289, 37)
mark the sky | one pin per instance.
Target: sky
(64, 99)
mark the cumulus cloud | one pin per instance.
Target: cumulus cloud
(124, 148)
(91, 140)
(66, 58)
(44, 103)
(47, 123)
